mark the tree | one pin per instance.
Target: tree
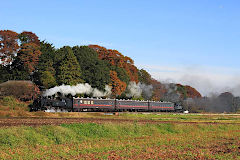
(29, 54)
(47, 79)
(122, 74)
(94, 71)
(159, 90)
(4, 73)
(45, 63)
(69, 71)
(144, 77)
(28, 37)
(117, 85)
(8, 46)
(115, 58)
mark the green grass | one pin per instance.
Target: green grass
(11, 107)
(130, 140)
(184, 117)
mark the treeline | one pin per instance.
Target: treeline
(25, 57)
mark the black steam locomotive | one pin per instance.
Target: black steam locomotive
(98, 104)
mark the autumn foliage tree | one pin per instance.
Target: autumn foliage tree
(159, 90)
(118, 87)
(8, 46)
(187, 92)
(115, 58)
(29, 54)
(28, 37)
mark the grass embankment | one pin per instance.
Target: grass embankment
(11, 107)
(121, 141)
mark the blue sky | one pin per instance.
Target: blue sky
(169, 38)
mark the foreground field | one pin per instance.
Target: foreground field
(129, 140)
(40, 135)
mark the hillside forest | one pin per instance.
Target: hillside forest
(30, 66)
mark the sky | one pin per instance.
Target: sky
(193, 42)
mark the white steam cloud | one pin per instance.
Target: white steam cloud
(136, 90)
(82, 88)
(206, 79)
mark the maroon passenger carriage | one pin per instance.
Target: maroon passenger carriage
(131, 105)
(161, 106)
(93, 104)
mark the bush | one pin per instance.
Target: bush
(22, 90)
(10, 103)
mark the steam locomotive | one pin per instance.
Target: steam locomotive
(98, 104)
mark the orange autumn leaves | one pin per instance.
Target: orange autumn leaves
(29, 54)
(8, 45)
(117, 85)
(28, 51)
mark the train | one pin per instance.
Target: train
(77, 104)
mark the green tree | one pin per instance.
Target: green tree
(47, 79)
(69, 71)
(122, 73)
(94, 71)
(4, 73)
(17, 70)
(144, 77)
(46, 63)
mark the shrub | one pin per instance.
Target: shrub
(22, 90)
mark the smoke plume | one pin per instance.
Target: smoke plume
(171, 94)
(82, 88)
(136, 90)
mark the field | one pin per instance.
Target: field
(126, 136)
(39, 135)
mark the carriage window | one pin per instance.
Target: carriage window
(91, 102)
